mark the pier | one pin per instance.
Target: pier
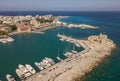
(96, 49)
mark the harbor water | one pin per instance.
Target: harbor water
(29, 48)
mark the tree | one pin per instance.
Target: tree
(14, 27)
(3, 33)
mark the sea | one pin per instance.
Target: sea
(29, 48)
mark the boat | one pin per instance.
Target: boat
(68, 54)
(4, 41)
(78, 45)
(58, 56)
(30, 68)
(10, 78)
(10, 39)
(20, 74)
(39, 65)
(27, 74)
(50, 60)
(62, 39)
(45, 63)
(58, 35)
(73, 51)
(22, 68)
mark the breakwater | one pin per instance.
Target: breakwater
(96, 48)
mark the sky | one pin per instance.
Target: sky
(60, 5)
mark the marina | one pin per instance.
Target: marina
(57, 71)
(21, 43)
(49, 70)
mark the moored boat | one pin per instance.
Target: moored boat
(20, 74)
(4, 41)
(50, 60)
(30, 68)
(10, 39)
(10, 78)
(22, 68)
(25, 71)
(68, 54)
(39, 65)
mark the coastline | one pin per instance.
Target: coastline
(108, 70)
(41, 28)
(79, 64)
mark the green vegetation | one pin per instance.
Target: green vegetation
(3, 33)
(14, 27)
(42, 20)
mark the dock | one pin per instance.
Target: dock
(96, 48)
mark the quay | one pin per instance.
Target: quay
(96, 49)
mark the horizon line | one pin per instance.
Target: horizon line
(56, 11)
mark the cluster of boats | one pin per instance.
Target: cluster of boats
(76, 43)
(45, 63)
(64, 38)
(6, 40)
(25, 71)
(69, 54)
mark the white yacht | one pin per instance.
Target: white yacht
(10, 78)
(4, 41)
(74, 52)
(10, 39)
(39, 65)
(30, 68)
(27, 74)
(78, 45)
(62, 39)
(22, 68)
(20, 74)
(50, 60)
(45, 63)
(68, 54)
(59, 58)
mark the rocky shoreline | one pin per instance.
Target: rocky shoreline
(77, 74)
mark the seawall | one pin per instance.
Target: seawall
(96, 49)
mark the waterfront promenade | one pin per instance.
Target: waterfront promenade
(96, 49)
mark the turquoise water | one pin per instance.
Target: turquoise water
(29, 48)
(109, 24)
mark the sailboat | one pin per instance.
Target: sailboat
(67, 54)
(59, 57)
(73, 51)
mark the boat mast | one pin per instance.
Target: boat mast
(58, 52)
